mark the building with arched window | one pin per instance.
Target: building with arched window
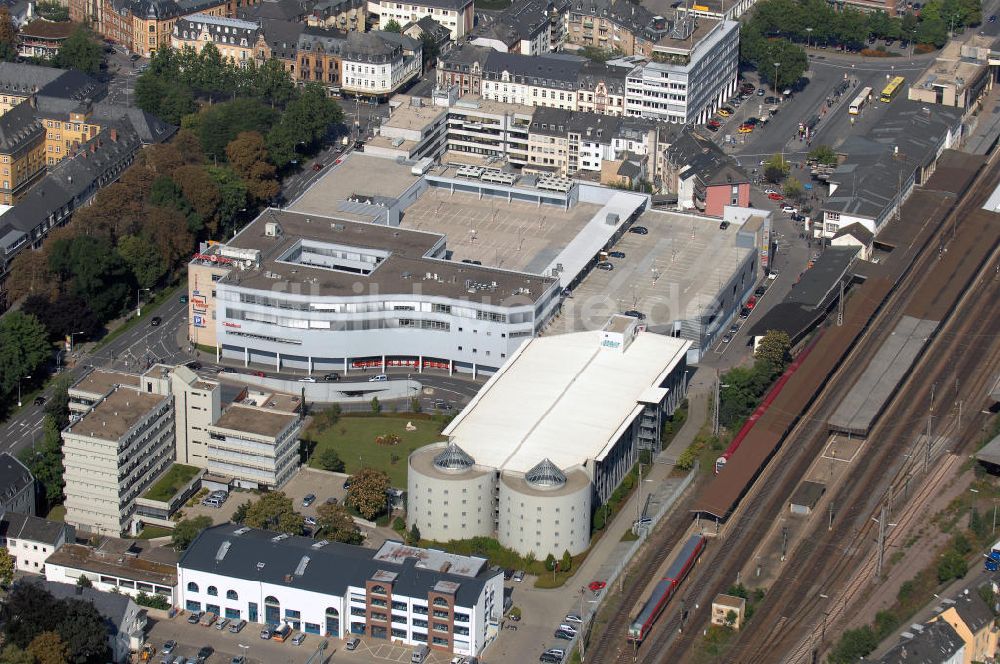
(398, 593)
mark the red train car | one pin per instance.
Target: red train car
(665, 589)
(769, 398)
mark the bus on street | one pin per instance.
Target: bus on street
(859, 102)
(892, 89)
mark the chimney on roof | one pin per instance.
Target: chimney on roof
(114, 134)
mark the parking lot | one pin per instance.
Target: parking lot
(226, 646)
(667, 275)
(513, 236)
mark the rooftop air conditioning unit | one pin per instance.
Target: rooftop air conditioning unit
(272, 229)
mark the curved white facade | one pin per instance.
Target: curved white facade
(544, 521)
(448, 504)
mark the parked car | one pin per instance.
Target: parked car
(712, 128)
(193, 365)
(643, 522)
(788, 209)
(307, 379)
(310, 521)
(639, 230)
(237, 627)
(771, 100)
(606, 266)
(380, 378)
(563, 634)
(632, 313)
(352, 643)
(238, 660)
(309, 499)
(204, 653)
(266, 633)
(441, 404)
(168, 647)
(770, 191)
(725, 112)
(519, 576)
(221, 623)
(330, 377)
(596, 586)
(573, 618)
(776, 197)
(298, 639)
(317, 166)
(194, 617)
(39, 401)
(332, 500)
(347, 483)
(726, 339)
(616, 254)
(567, 628)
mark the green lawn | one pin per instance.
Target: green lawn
(172, 482)
(354, 440)
(57, 513)
(152, 532)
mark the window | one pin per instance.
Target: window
(192, 587)
(213, 591)
(231, 594)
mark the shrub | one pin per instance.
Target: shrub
(152, 601)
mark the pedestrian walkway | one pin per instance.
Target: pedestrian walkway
(984, 136)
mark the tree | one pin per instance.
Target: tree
(367, 492)
(274, 511)
(187, 530)
(413, 539)
(853, 645)
(776, 168)
(392, 26)
(376, 405)
(8, 36)
(53, 11)
(550, 563)
(305, 122)
(431, 50)
(11, 654)
(232, 198)
(29, 274)
(951, 566)
(248, 156)
(731, 617)
(66, 314)
(143, 260)
(823, 154)
(80, 51)
(794, 190)
(48, 648)
(83, 630)
(6, 568)
(44, 460)
(96, 272)
(201, 193)
(566, 564)
(83, 581)
(337, 524)
(220, 124)
(57, 407)
(328, 459)
(24, 348)
(240, 514)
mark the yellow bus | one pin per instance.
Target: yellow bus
(890, 91)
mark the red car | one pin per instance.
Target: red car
(776, 197)
(597, 586)
(317, 166)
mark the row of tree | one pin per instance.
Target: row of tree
(744, 386)
(818, 22)
(40, 629)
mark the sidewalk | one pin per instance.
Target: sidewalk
(982, 138)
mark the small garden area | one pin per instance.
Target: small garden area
(175, 479)
(552, 572)
(374, 441)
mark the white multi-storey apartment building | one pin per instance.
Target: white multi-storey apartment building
(404, 594)
(456, 15)
(259, 449)
(112, 454)
(377, 64)
(692, 73)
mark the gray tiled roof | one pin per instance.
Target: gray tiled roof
(284, 10)
(524, 19)
(23, 79)
(330, 570)
(377, 46)
(282, 36)
(14, 476)
(630, 15)
(971, 608)
(932, 644)
(151, 129)
(878, 163)
(18, 126)
(14, 525)
(112, 606)
(705, 159)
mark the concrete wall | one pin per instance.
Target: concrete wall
(544, 522)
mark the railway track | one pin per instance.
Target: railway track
(726, 557)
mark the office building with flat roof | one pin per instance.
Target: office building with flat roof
(549, 438)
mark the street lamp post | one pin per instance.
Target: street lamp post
(138, 307)
(20, 378)
(776, 65)
(71, 344)
(246, 651)
(808, 37)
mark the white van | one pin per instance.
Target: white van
(380, 378)
(419, 654)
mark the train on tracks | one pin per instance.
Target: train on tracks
(665, 588)
(765, 403)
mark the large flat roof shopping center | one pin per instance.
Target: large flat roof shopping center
(383, 264)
